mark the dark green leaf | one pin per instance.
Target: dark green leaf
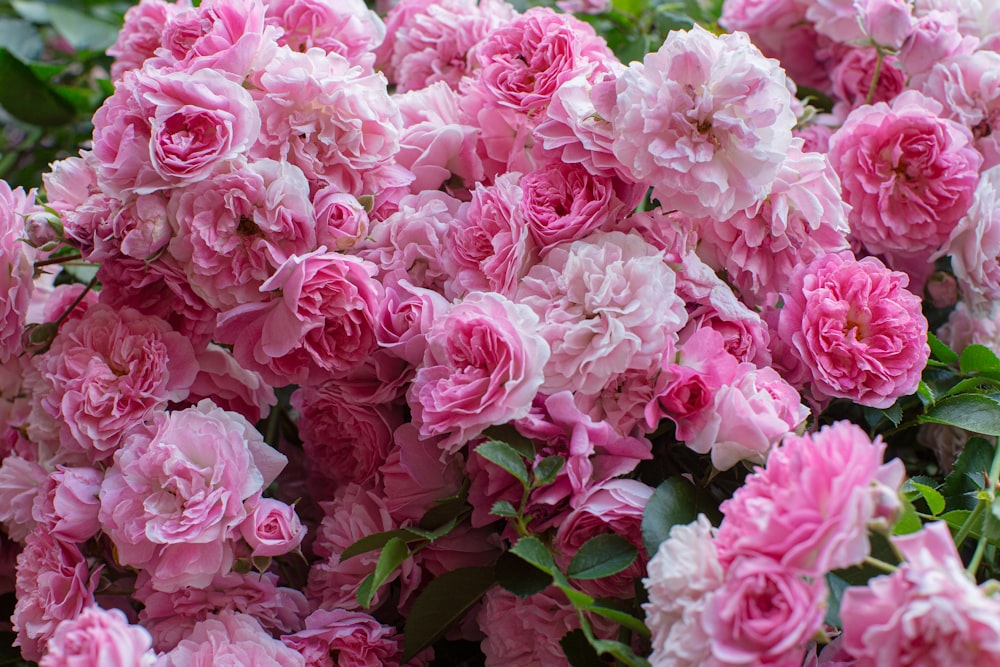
(979, 384)
(377, 541)
(602, 556)
(940, 351)
(443, 514)
(443, 602)
(547, 469)
(393, 554)
(84, 33)
(972, 412)
(508, 433)
(503, 508)
(27, 98)
(956, 519)
(578, 650)
(620, 617)
(836, 587)
(622, 652)
(533, 551)
(504, 456)
(978, 358)
(520, 577)
(21, 39)
(967, 476)
(673, 503)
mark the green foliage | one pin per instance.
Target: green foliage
(441, 604)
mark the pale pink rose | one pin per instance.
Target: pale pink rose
(355, 513)
(21, 480)
(141, 227)
(412, 244)
(801, 218)
(483, 366)
(272, 528)
(16, 268)
(607, 304)
(526, 633)
(67, 504)
(855, 327)
(908, 174)
(815, 137)
(332, 120)
(506, 143)
(974, 246)
(744, 333)
(430, 41)
(161, 129)
(524, 62)
(234, 639)
(231, 386)
(99, 637)
(341, 221)
(972, 324)
(584, 6)
(405, 316)
(852, 78)
(141, 34)
(319, 319)
(344, 438)
(108, 371)
(836, 19)
(623, 399)
(70, 182)
(54, 583)
(750, 415)
(928, 612)
(347, 28)
(339, 638)
(763, 614)
(887, 23)
(615, 507)
(565, 202)
(810, 507)
(414, 476)
(234, 229)
(491, 248)
(935, 39)
(170, 617)
(438, 144)
(173, 501)
(968, 85)
(682, 574)
(707, 145)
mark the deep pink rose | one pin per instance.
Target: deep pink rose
(852, 78)
(21, 481)
(856, 328)
(230, 638)
(414, 476)
(99, 637)
(339, 638)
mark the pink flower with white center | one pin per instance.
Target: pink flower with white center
(928, 612)
(855, 327)
(230, 638)
(345, 27)
(173, 501)
(974, 245)
(109, 371)
(706, 120)
(16, 267)
(908, 174)
(332, 120)
(431, 41)
(319, 319)
(235, 229)
(161, 129)
(99, 637)
(339, 638)
(483, 366)
(810, 507)
(607, 304)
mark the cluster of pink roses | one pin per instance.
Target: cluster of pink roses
(459, 217)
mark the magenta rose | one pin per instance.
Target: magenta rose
(856, 328)
(483, 366)
(99, 637)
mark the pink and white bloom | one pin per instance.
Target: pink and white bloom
(345, 27)
(230, 638)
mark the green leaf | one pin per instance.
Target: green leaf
(393, 554)
(991, 526)
(935, 501)
(504, 456)
(602, 556)
(83, 32)
(940, 351)
(533, 551)
(620, 617)
(925, 393)
(21, 39)
(968, 474)
(622, 652)
(836, 587)
(377, 541)
(443, 602)
(908, 521)
(508, 433)
(978, 385)
(444, 514)
(520, 577)
(972, 412)
(578, 650)
(27, 98)
(673, 503)
(547, 469)
(978, 358)
(503, 508)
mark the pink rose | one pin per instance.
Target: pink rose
(230, 638)
(975, 244)
(173, 501)
(908, 174)
(483, 366)
(16, 268)
(141, 34)
(857, 330)
(810, 507)
(230, 386)
(99, 637)
(67, 504)
(708, 146)
(852, 78)
(887, 23)
(934, 39)
(272, 528)
(347, 28)
(405, 316)
(339, 638)
(21, 481)
(414, 476)
(966, 84)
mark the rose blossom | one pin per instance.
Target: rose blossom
(319, 319)
(810, 507)
(272, 528)
(16, 268)
(857, 330)
(935, 39)
(405, 316)
(21, 480)
(483, 366)
(908, 174)
(347, 28)
(230, 639)
(607, 304)
(141, 34)
(339, 638)
(99, 637)
(230, 386)
(174, 499)
(928, 612)
(67, 504)
(708, 146)
(852, 79)
(414, 476)
(974, 246)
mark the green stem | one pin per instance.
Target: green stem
(880, 564)
(977, 556)
(875, 76)
(62, 259)
(969, 522)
